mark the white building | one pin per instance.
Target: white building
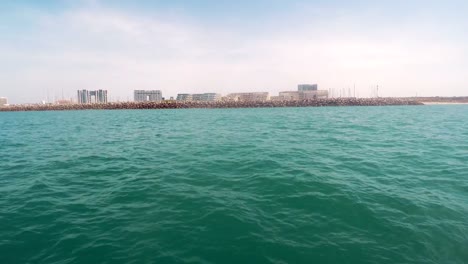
(206, 97)
(302, 95)
(92, 97)
(184, 97)
(148, 96)
(307, 87)
(3, 101)
(317, 94)
(290, 96)
(304, 92)
(249, 97)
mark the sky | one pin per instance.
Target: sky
(51, 48)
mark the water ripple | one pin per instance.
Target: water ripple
(325, 185)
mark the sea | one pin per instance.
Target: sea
(266, 185)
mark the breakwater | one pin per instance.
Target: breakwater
(219, 104)
(438, 99)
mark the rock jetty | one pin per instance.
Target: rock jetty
(438, 99)
(218, 104)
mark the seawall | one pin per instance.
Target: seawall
(220, 104)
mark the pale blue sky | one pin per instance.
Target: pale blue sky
(406, 47)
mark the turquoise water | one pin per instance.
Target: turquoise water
(292, 185)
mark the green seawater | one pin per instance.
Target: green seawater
(282, 185)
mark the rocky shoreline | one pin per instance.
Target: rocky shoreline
(219, 104)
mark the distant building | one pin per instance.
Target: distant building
(304, 92)
(92, 97)
(301, 95)
(249, 97)
(184, 97)
(3, 101)
(290, 96)
(148, 96)
(83, 97)
(318, 94)
(307, 87)
(206, 97)
(100, 96)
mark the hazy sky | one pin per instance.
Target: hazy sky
(405, 47)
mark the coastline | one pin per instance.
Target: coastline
(219, 104)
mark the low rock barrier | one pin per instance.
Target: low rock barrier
(219, 104)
